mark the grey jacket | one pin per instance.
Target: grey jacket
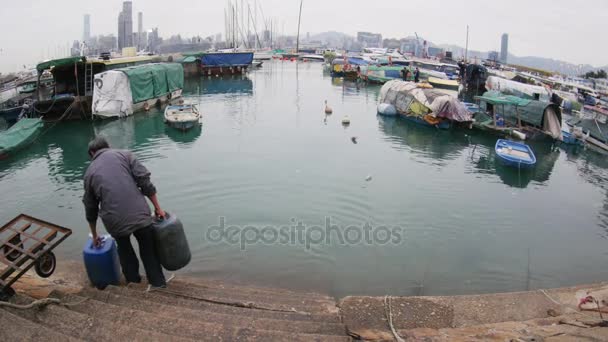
(114, 188)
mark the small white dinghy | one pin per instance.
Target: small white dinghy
(182, 116)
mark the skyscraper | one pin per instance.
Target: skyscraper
(504, 48)
(86, 35)
(140, 30)
(125, 25)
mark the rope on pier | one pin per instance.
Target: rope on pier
(388, 311)
(247, 305)
(41, 303)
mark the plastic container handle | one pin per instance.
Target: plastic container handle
(160, 219)
(103, 239)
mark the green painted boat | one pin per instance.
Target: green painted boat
(20, 135)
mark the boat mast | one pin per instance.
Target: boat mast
(466, 51)
(298, 37)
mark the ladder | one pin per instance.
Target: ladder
(88, 79)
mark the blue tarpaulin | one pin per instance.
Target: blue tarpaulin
(227, 59)
(357, 61)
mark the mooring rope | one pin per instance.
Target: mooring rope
(388, 311)
(41, 303)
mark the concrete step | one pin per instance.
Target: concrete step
(548, 330)
(16, 328)
(181, 325)
(248, 319)
(90, 328)
(205, 307)
(228, 287)
(245, 295)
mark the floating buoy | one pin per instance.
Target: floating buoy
(328, 109)
(146, 106)
(368, 178)
(354, 140)
(346, 120)
(519, 135)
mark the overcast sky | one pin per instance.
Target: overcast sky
(561, 29)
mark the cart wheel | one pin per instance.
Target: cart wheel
(45, 265)
(11, 254)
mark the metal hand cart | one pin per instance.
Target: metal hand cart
(27, 242)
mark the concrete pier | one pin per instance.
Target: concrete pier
(210, 310)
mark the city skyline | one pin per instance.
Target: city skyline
(534, 32)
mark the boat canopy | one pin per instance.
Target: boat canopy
(545, 115)
(508, 100)
(59, 62)
(518, 89)
(116, 91)
(411, 100)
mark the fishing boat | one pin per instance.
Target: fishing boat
(516, 116)
(313, 58)
(593, 121)
(69, 85)
(514, 154)
(21, 134)
(443, 84)
(121, 92)
(182, 117)
(262, 55)
(427, 107)
(382, 74)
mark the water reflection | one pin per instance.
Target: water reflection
(218, 85)
(184, 139)
(435, 146)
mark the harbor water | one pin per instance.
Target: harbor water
(444, 216)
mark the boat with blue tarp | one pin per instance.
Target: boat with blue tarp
(514, 154)
(220, 63)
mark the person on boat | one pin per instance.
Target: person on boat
(417, 75)
(116, 185)
(406, 74)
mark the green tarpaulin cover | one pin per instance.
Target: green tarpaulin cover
(530, 111)
(153, 80)
(492, 98)
(19, 135)
(59, 62)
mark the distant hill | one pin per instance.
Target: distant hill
(543, 63)
(339, 39)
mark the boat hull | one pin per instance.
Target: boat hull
(182, 125)
(514, 154)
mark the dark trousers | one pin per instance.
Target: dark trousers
(147, 252)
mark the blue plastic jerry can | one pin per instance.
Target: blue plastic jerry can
(101, 263)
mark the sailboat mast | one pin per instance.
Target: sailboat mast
(466, 51)
(298, 37)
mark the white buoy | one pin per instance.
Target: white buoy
(519, 135)
(346, 120)
(328, 109)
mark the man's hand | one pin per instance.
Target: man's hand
(160, 213)
(97, 241)
(96, 238)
